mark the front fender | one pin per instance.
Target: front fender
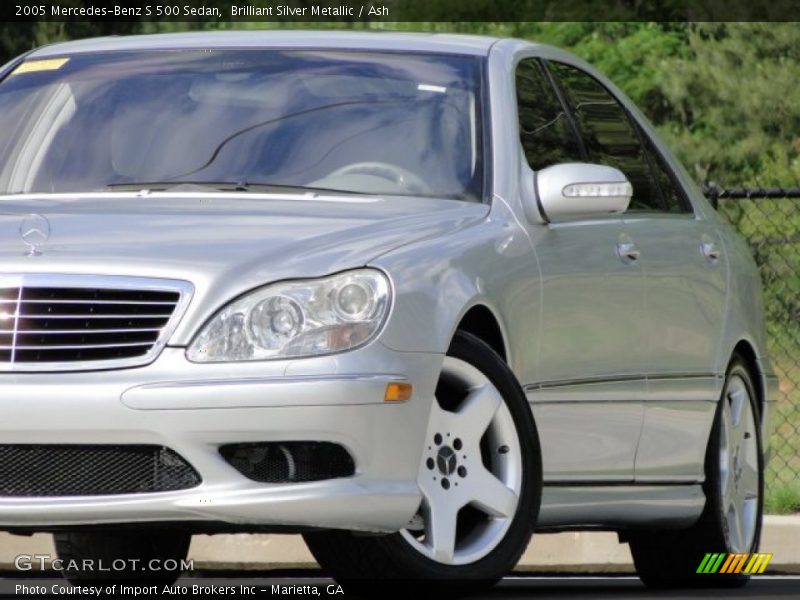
(436, 281)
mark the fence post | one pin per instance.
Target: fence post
(712, 191)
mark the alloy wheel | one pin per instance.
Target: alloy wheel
(471, 471)
(739, 471)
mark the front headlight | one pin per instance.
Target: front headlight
(297, 318)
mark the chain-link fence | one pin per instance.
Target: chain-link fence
(769, 218)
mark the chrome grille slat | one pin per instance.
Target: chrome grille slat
(78, 331)
(76, 346)
(75, 322)
(80, 317)
(30, 324)
(101, 302)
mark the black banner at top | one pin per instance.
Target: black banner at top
(225, 11)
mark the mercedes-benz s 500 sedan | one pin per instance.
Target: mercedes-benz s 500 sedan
(413, 296)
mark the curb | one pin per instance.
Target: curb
(574, 552)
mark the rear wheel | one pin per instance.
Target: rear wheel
(146, 556)
(480, 479)
(731, 520)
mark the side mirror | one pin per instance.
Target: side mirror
(579, 190)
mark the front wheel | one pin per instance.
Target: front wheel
(146, 556)
(731, 520)
(480, 477)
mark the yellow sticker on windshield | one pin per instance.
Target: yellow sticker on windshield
(35, 66)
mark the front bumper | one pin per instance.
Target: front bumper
(193, 409)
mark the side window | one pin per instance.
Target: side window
(675, 199)
(545, 131)
(608, 135)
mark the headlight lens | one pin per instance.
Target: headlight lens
(297, 318)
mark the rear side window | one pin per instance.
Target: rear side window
(545, 132)
(608, 135)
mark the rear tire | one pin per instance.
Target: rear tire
(734, 486)
(487, 430)
(111, 548)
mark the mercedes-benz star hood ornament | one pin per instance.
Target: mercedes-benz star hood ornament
(35, 231)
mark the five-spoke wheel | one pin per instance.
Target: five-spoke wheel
(731, 521)
(740, 479)
(471, 471)
(479, 477)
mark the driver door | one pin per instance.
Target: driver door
(587, 399)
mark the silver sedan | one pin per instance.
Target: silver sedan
(415, 296)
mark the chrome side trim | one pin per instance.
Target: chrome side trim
(61, 280)
(621, 506)
(529, 387)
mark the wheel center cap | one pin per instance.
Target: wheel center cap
(446, 460)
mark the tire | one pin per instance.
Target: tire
(484, 548)
(671, 559)
(106, 547)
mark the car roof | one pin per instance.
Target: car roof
(341, 40)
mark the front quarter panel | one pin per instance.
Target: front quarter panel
(437, 281)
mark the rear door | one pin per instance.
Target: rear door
(685, 270)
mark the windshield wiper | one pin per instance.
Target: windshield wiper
(160, 186)
(229, 186)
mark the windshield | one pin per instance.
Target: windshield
(372, 123)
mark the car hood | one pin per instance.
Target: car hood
(224, 244)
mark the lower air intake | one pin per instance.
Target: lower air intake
(91, 470)
(287, 462)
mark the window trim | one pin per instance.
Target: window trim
(557, 93)
(657, 155)
(683, 197)
(484, 130)
(565, 106)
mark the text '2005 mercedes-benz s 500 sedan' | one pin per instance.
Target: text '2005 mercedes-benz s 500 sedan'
(413, 296)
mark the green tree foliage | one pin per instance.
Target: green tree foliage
(724, 96)
(734, 103)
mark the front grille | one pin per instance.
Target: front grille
(91, 470)
(288, 462)
(44, 325)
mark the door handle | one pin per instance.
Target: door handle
(627, 250)
(709, 248)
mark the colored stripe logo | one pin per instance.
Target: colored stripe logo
(728, 563)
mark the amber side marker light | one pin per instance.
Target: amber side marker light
(398, 392)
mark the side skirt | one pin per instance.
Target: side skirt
(624, 506)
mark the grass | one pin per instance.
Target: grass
(782, 498)
(782, 478)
